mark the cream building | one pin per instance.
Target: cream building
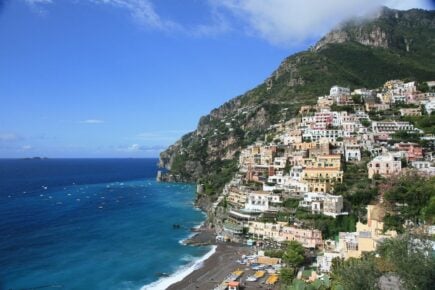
(385, 165)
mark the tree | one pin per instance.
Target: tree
(429, 211)
(294, 254)
(411, 259)
(357, 274)
(287, 275)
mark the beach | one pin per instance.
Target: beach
(214, 269)
(218, 266)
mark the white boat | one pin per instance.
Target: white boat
(251, 278)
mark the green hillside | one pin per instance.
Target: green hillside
(394, 45)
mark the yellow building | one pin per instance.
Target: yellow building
(236, 197)
(367, 236)
(324, 161)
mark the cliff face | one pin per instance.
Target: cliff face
(394, 44)
(392, 29)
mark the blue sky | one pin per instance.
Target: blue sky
(126, 78)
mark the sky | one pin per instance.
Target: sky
(127, 78)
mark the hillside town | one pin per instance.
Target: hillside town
(296, 175)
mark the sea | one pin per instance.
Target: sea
(94, 224)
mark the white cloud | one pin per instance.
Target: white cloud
(36, 2)
(288, 21)
(26, 147)
(37, 6)
(141, 148)
(92, 121)
(142, 11)
(408, 4)
(282, 22)
(9, 137)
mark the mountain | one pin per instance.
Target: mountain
(360, 53)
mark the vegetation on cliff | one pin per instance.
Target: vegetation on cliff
(393, 45)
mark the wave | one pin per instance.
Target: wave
(180, 274)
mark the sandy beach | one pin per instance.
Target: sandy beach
(217, 267)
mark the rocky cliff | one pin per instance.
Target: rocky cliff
(360, 53)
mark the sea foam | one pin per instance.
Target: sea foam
(180, 274)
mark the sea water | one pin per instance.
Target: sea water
(93, 224)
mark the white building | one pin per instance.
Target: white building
(324, 262)
(352, 152)
(323, 203)
(430, 106)
(262, 201)
(331, 135)
(391, 127)
(424, 167)
(337, 91)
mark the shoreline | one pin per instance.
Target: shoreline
(212, 271)
(180, 274)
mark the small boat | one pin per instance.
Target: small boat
(251, 279)
(176, 226)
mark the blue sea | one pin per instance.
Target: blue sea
(93, 224)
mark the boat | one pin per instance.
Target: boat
(162, 274)
(251, 278)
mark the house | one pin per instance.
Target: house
(385, 165)
(261, 201)
(281, 232)
(392, 127)
(324, 262)
(410, 112)
(374, 107)
(367, 236)
(352, 152)
(330, 134)
(333, 205)
(309, 238)
(236, 196)
(424, 167)
(323, 203)
(413, 151)
(321, 179)
(430, 106)
(337, 91)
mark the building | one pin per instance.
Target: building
(236, 196)
(321, 179)
(261, 201)
(424, 167)
(333, 205)
(323, 203)
(413, 151)
(375, 107)
(430, 106)
(410, 112)
(367, 236)
(309, 238)
(385, 165)
(337, 91)
(330, 134)
(324, 262)
(392, 127)
(281, 232)
(352, 152)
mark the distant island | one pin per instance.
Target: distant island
(35, 158)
